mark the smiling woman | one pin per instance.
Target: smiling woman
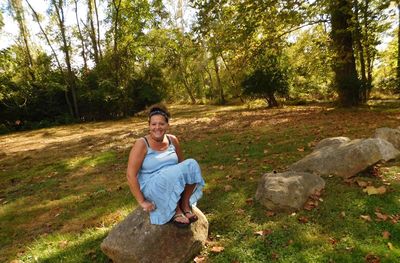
(163, 183)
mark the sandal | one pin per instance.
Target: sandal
(193, 217)
(179, 224)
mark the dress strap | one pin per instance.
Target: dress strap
(169, 140)
(147, 142)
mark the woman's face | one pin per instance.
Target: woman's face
(158, 127)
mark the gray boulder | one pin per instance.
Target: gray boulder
(346, 159)
(390, 135)
(136, 240)
(331, 141)
(287, 191)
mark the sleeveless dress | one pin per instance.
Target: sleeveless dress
(162, 181)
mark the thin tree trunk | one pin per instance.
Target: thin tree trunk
(98, 29)
(65, 48)
(219, 86)
(398, 47)
(92, 32)
(358, 38)
(115, 44)
(80, 36)
(23, 31)
(368, 56)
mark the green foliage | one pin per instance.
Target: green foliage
(267, 80)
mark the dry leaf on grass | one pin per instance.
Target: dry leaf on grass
(228, 188)
(381, 217)
(371, 190)
(390, 246)
(371, 258)
(270, 213)
(200, 259)
(386, 234)
(366, 218)
(303, 219)
(217, 249)
(263, 232)
(249, 201)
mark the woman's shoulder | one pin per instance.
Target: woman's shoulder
(172, 137)
(140, 144)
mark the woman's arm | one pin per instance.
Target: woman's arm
(136, 157)
(178, 149)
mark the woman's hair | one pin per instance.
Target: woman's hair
(159, 109)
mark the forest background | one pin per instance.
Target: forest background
(86, 60)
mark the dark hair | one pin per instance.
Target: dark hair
(159, 109)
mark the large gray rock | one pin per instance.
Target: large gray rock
(136, 240)
(390, 135)
(288, 190)
(331, 141)
(346, 159)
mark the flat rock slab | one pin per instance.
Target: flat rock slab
(287, 191)
(346, 159)
(136, 240)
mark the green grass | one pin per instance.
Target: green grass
(58, 202)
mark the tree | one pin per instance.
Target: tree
(344, 65)
(266, 80)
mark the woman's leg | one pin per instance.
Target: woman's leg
(184, 202)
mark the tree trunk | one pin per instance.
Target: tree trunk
(219, 86)
(398, 47)
(344, 65)
(358, 37)
(65, 48)
(367, 45)
(92, 32)
(117, 64)
(23, 31)
(98, 28)
(80, 36)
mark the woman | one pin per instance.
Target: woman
(163, 183)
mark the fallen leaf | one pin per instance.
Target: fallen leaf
(386, 234)
(366, 218)
(200, 259)
(249, 201)
(361, 183)
(303, 219)
(228, 188)
(240, 211)
(371, 258)
(371, 190)
(381, 217)
(300, 149)
(263, 232)
(290, 242)
(265, 151)
(63, 243)
(333, 241)
(270, 213)
(217, 249)
(274, 256)
(390, 246)
(343, 214)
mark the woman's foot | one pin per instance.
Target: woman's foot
(192, 217)
(180, 220)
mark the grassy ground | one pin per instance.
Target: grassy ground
(63, 189)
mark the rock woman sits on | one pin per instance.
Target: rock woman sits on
(163, 183)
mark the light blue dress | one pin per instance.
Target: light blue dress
(162, 181)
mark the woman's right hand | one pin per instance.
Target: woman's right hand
(147, 206)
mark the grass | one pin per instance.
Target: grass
(64, 188)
